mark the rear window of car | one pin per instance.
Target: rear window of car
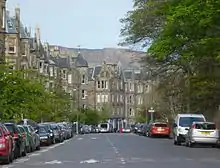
(11, 128)
(54, 126)
(21, 129)
(160, 125)
(26, 129)
(1, 131)
(206, 126)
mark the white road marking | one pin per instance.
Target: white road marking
(37, 153)
(79, 138)
(53, 162)
(22, 160)
(34, 154)
(7, 166)
(90, 161)
(122, 160)
(93, 138)
(116, 150)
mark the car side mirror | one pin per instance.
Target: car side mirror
(187, 129)
(174, 125)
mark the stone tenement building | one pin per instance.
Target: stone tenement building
(106, 87)
(119, 91)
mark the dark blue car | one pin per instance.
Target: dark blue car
(44, 135)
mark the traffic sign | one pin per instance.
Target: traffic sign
(151, 110)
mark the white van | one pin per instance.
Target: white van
(181, 126)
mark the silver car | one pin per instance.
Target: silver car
(202, 133)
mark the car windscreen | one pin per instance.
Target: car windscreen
(187, 121)
(42, 130)
(205, 126)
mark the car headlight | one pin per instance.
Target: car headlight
(51, 134)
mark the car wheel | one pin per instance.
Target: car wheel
(176, 141)
(147, 134)
(7, 160)
(190, 144)
(24, 153)
(38, 147)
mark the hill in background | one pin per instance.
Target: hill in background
(128, 58)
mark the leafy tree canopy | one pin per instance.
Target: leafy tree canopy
(183, 33)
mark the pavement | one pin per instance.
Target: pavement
(118, 151)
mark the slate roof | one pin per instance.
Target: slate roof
(96, 71)
(134, 74)
(80, 61)
(63, 62)
(10, 26)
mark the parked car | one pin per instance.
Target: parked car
(139, 129)
(58, 132)
(44, 135)
(126, 130)
(202, 133)
(25, 137)
(68, 131)
(181, 126)
(64, 131)
(20, 149)
(35, 138)
(30, 138)
(52, 132)
(6, 145)
(158, 129)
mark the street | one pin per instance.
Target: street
(119, 150)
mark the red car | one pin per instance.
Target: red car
(159, 129)
(6, 145)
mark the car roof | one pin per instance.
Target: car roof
(190, 115)
(196, 122)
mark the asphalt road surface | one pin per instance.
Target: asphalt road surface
(118, 151)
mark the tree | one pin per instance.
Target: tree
(141, 116)
(105, 112)
(184, 35)
(92, 117)
(24, 97)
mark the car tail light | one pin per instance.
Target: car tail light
(15, 136)
(24, 135)
(194, 126)
(2, 145)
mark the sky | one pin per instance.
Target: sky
(73, 23)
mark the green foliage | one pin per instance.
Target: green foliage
(92, 117)
(141, 116)
(184, 34)
(105, 112)
(87, 116)
(25, 97)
